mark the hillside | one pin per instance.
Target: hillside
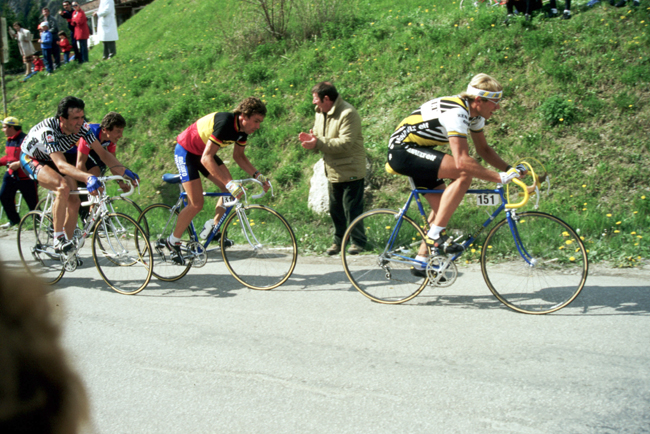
(576, 93)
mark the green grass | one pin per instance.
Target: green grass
(576, 97)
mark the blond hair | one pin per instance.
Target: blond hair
(483, 82)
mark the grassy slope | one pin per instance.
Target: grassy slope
(173, 67)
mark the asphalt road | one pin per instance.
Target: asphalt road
(206, 355)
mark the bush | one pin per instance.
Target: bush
(558, 110)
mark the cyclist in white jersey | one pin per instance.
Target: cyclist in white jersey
(449, 121)
(43, 158)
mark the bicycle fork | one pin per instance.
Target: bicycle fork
(247, 229)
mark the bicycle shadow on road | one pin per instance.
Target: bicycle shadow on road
(593, 300)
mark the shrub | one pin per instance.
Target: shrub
(558, 110)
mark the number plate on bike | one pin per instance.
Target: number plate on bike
(488, 199)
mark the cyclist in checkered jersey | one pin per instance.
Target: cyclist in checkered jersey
(449, 121)
(44, 159)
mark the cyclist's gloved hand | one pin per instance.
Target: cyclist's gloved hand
(261, 178)
(93, 184)
(132, 175)
(235, 188)
(522, 169)
(508, 176)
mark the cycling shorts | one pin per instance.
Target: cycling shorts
(189, 165)
(94, 161)
(32, 167)
(421, 163)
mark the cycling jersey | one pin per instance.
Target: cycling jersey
(47, 137)
(220, 128)
(84, 146)
(435, 122)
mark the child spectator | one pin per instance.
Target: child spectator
(38, 63)
(65, 46)
(46, 46)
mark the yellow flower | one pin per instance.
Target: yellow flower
(584, 185)
(618, 223)
(633, 233)
(565, 234)
(609, 215)
(561, 119)
(388, 227)
(617, 231)
(567, 242)
(572, 259)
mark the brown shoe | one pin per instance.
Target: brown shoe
(334, 249)
(354, 249)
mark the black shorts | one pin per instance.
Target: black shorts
(189, 165)
(94, 161)
(421, 163)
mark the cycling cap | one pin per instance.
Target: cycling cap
(471, 90)
(45, 24)
(12, 121)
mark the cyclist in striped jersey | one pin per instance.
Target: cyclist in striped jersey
(449, 121)
(43, 158)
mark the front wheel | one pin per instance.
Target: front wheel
(538, 266)
(384, 271)
(264, 253)
(122, 253)
(159, 221)
(36, 247)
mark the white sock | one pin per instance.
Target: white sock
(554, 10)
(434, 232)
(58, 234)
(173, 239)
(420, 258)
(568, 12)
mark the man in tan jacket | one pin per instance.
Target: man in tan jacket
(337, 135)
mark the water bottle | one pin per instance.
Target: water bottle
(207, 228)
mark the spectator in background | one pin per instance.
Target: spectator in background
(566, 15)
(523, 6)
(337, 134)
(15, 179)
(54, 30)
(40, 391)
(47, 40)
(107, 27)
(38, 63)
(67, 14)
(65, 46)
(24, 38)
(81, 31)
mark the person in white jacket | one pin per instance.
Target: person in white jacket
(25, 45)
(107, 27)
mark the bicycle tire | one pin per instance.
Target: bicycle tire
(122, 253)
(36, 247)
(268, 263)
(159, 223)
(380, 274)
(559, 263)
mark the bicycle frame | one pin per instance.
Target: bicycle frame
(233, 203)
(415, 194)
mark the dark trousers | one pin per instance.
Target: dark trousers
(10, 186)
(48, 59)
(346, 204)
(109, 49)
(56, 52)
(75, 48)
(525, 6)
(83, 50)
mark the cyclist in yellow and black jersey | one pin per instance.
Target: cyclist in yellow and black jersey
(413, 151)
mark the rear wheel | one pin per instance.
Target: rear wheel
(384, 270)
(160, 222)
(36, 247)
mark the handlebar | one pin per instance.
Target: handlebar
(231, 202)
(527, 189)
(103, 180)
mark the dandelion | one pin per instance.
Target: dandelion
(617, 231)
(561, 119)
(618, 223)
(633, 233)
(583, 186)
(572, 259)
(609, 215)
